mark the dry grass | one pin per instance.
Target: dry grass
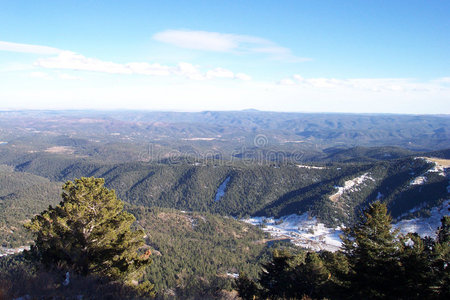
(440, 161)
(60, 150)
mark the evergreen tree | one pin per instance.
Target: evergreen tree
(277, 277)
(311, 277)
(416, 259)
(441, 260)
(89, 232)
(373, 252)
(337, 265)
(443, 232)
(246, 287)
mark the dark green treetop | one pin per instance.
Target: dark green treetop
(89, 232)
(373, 251)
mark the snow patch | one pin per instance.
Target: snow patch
(412, 210)
(199, 139)
(350, 186)
(311, 167)
(232, 275)
(425, 226)
(419, 180)
(10, 251)
(305, 231)
(67, 280)
(441, 170)
(302, 230)
(221, 190)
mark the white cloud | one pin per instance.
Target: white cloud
(189, 71)
(73, 61)
(144, 68)
(242, 76)
(68, 60)
(298, 77)
(27, 48)
(219, 73)
(225, 42)
(199, 40)
(286, 81)
(363, 84)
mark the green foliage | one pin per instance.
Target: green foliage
(247, 288)
(312, 276)
(22, 195)
(194, 253)
(146, 289)
(441, 260)
(375, 263)
(255, 187)
(416, 270)
(89, 232)
(372, 250)
(384, 264)
(291, 276)
(443, 234)
(275, 278)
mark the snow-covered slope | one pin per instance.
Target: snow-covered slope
(302, 230)
(221, 190)
(350, 186)
(425, 226)
(307, 232)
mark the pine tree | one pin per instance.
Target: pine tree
(441, 260)
(337, 265)
(416, 261)
(246, 287)
(89, 233)
(277, 277)
(373, 252)
(443, 232)
(311, 277)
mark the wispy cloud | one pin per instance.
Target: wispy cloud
(364, 84)
(73, 61)
(69, 60)
(199, 40)
(225, 42)
(27, 48)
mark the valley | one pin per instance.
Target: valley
(231, 186)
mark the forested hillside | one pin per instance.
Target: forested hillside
(333, 192)
(22, 195)
(197, 254)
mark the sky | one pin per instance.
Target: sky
(297, 56)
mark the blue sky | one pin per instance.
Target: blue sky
(310, 56)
